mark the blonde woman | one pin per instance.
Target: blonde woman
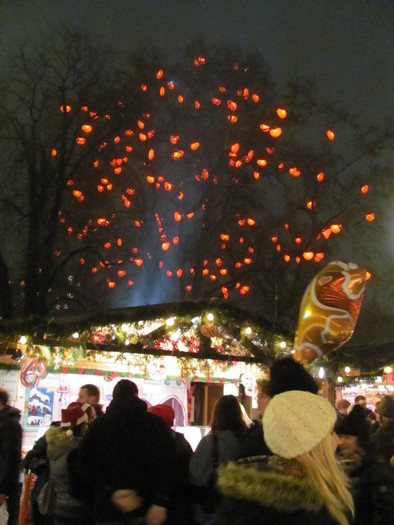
(302, 483)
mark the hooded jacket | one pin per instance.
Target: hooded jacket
(269, 490)
(10, 449)
(59, 445)
(128, 448)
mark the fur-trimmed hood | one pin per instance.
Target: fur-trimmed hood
(60, 442)
(270, 481)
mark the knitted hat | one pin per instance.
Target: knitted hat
(286, 374)
(296, 421)
(386, 407)
(165, 412)
(354, 424)
(74, 415)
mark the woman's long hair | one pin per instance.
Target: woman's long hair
(323, 470)
(227, 415)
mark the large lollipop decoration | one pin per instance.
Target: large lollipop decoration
(329, 310)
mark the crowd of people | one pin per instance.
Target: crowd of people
(302, 461)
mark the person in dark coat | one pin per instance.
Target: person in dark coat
(10, 457)
(180, 511)
(127, 458)
(302, 483)
(371, 477)
(383, 439)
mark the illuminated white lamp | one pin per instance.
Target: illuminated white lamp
(125, 327)
(75, 335)
(379, 379)
(23, 339)
(283, 344)
(322, 373)
(340, 379)
(388, 369)
(248, 330)
(127, 342)
(293, 351)
(210, 317)
(170, 321)
(347, 369)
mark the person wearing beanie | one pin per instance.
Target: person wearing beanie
(180, 510)
(302, 482)
(62, 442)
(371, 477)
(383, 439)
(286, 374)
(127, 457)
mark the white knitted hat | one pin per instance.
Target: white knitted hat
(294, 422)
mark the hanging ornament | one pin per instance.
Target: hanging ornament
(329, 310)
(209, 330)
(32, 370)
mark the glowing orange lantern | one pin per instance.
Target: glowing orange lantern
(261, 162)
(138, 262)
(364, 189)
(330, 134)
(177, 154)
(159, 74)
(286, 258)
(251, 222)
(150, 179)
(336, 228)
(232, 106)
(197, 105)
(87, 128)
(281, 112)
(275, 132)
(320, 176)
(224, 236)
(111, 284)
(151, 154)
(194, 146)
(235, 147)
(308, 256)
(177, 216)
(80, 141)
(370, 217)
(265, 128)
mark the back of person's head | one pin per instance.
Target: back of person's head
(3, 396)
(286, 374)
(299, 425)
(360, 400)
(164, 412)
(355, 424)
(385, 408)
(227, 415)
(342, 404)
(124, 390)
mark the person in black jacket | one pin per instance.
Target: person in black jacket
(127, 457)
(10, 457)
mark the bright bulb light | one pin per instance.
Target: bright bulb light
(388, 369)
(347, 369)
(125, 327)
(210, 317)
(339, 379)
(75, 335)
(23, 339)
(170, 321)
(322, 372)
(248, 330)
(282, 344)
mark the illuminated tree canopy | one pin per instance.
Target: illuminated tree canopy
(139, 181)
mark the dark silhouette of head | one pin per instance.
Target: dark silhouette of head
(124, 390)
(286, 374)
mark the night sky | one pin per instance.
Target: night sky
(345, 45)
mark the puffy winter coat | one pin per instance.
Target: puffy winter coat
(267, 491)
